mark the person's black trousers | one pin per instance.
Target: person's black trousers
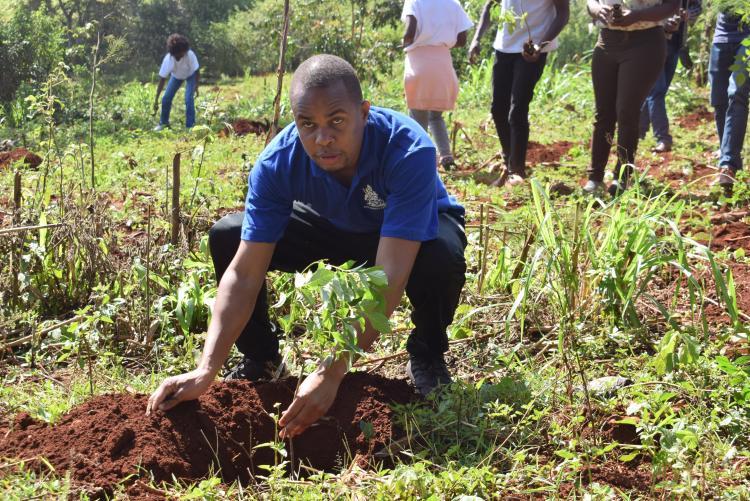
(513, 82)
(433, 288)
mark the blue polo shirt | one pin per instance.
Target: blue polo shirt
(396, 190)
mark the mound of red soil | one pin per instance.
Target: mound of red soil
(696, 118)
(8, 158)
(547, 153)
(732, 236)
(109, 437)
(243, 126)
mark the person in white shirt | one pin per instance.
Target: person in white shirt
(433, 27)
(179, 65)
(520, 55)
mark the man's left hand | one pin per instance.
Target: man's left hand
(315, 396)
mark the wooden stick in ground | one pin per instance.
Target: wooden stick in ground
(279, 75)
(39, 335)
(15, 255)
(19, 229)
(176, 199)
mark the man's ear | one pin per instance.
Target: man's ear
(365, 109)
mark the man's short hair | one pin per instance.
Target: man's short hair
(325, 70)
(177, 43)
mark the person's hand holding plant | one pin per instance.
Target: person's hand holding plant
(156, 106)
(532, 52)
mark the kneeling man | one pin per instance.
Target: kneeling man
(345, 181)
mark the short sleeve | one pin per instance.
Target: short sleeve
(167, 66)
(268, 205)
(463, 21)
(409, 9)
(411, 202)
(193, 62)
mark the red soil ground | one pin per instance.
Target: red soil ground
(732, 236)
(8, 158)
(696, 118)
(108, 438)
(243, 126)
(547, 153)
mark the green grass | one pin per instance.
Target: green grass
(590, 298)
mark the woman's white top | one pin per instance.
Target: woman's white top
(539, 17)
(182, 69)
(438, 22)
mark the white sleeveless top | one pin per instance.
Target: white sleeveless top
(539, 16)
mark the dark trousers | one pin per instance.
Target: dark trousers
(513, 82)
(624, 68)
(433, 288)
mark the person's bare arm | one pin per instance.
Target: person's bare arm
(159, 88)
(461, 39)
(197, 81)
(318, 391)
(235, 302)
(484, 23)
(561, 20)
(410, 31)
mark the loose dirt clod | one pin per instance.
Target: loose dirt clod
(243, 126)
(547, 153)
(8, 158)
(109, 437)
(732, 236)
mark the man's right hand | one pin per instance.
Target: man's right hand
(156, 107)
(176, 389)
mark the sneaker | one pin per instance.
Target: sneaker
(725, 178)
(515, 180)
(253, 370)
(440, 369)
(662, 147)
(161, 127)
(617, 188)
(594, 187)
(427, 374)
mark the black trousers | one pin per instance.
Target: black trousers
(513, 82)
(433, 288)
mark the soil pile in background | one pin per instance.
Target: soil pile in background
(547, 153)
(109, 437)
(8, 158)
(243, 126)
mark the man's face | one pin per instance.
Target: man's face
(331, 126)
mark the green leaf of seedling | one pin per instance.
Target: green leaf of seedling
(379, 321)
(367, 429)
(321, 277)
(625, 458)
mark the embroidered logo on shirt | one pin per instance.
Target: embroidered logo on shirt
(372, 199)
